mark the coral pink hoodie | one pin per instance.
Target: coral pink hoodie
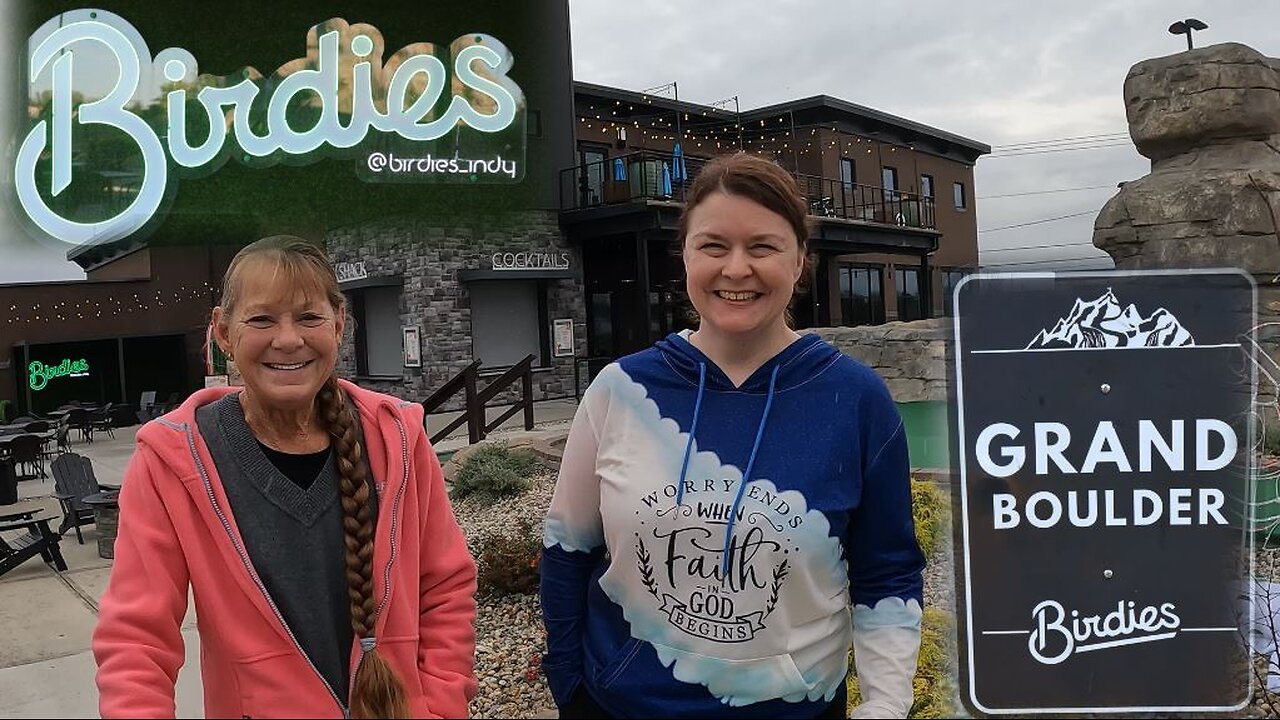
(176, 529)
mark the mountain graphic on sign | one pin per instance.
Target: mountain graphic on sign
(1103, 323)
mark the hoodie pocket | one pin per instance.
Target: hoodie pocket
(740, 682)
(607, 674)
(401, 653)
(282, 685)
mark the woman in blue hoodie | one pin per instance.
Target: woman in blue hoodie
(726, 495)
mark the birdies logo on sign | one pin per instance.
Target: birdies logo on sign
(161, 113)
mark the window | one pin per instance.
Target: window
(591, 174)
(889, 181)
(909, 307)
(508, 321)
(950, 278)
(958, 190)
(600, 327)
(926, 186)
(848, 173)
(376, 311)
(861, 296)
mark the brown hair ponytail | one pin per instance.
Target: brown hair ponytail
(376, 691)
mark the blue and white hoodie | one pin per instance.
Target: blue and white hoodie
(672, 588)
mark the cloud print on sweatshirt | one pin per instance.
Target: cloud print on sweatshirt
(673, 594)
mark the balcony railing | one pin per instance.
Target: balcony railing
(650, 175)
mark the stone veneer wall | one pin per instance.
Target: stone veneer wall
(912, 357)
(428, 251)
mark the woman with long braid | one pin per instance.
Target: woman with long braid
(307, 516)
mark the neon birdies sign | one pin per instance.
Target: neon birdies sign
(39, 374)
(343, 84)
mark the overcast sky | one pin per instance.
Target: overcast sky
(1003, 72)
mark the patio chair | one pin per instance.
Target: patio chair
(73, 481)
(103, 420)
(80, 419)
(25, 453)
(37, 426)
(8, 483)
(64, 434)
(37, 539)
(61, 440)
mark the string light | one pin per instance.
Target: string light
(61, 310)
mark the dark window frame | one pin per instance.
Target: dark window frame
(875, 303)
(852, 164)
(904, 313)
(950, 278)
(890, 190)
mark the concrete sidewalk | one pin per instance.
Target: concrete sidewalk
(47, 617)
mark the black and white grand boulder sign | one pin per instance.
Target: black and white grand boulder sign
(1104, 429)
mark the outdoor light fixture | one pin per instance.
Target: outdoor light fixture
(1186, 27)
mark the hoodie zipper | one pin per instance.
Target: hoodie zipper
(248, 566)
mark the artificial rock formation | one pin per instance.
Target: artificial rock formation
(1209, 120)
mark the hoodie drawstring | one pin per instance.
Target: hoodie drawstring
(746, 475)
(693, 427)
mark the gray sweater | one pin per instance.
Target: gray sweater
(293, 536)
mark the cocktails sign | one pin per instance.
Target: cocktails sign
(167, 118)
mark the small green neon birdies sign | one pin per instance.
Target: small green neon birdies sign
(39, 374)
(172, 120)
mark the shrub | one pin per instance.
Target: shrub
(508, 564)
(932, 511)
(933, 688)
(494, 470)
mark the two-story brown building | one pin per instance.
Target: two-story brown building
(891, 200)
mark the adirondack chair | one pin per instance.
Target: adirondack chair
(73, 481)
(37, 539)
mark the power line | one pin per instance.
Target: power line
(1046, 261)
(1038, 222)
(1062, 141)
(1057, 150)
(1038, 247)
(1043, 192)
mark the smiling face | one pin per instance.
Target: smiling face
(283, 333)
(741, 262)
